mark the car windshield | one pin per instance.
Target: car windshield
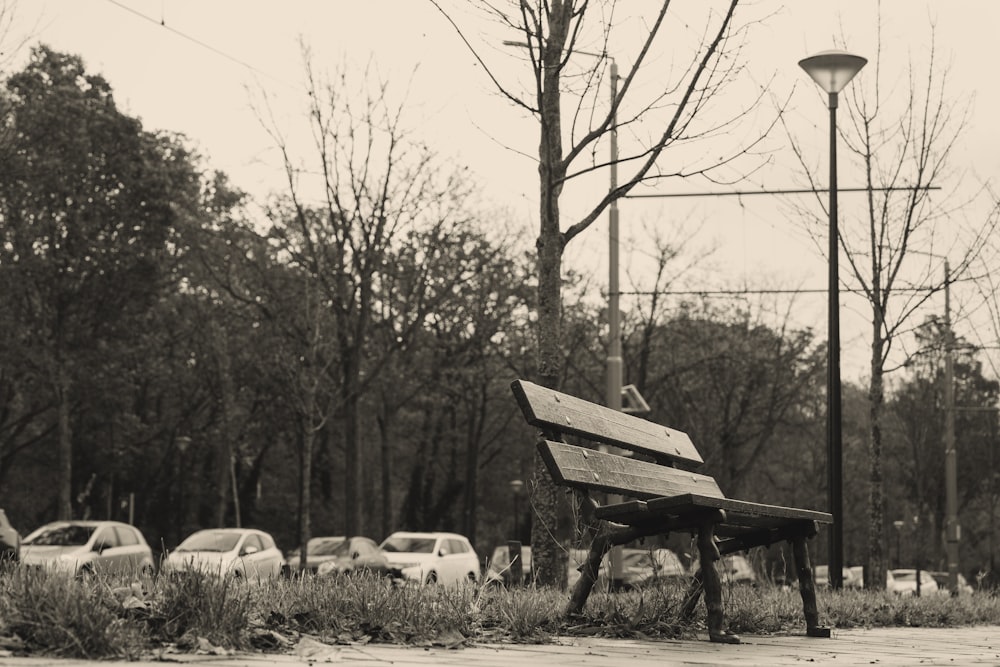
(210, 540)
(409, 545)
(636, 559)
(324, 546)
(64, 535)
(501, 561)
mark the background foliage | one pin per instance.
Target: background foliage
(143, 304)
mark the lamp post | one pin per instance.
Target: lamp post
(898, 525)
(833, 70)
(182, 442)
(515, 488)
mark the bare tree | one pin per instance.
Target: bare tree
(558, 36)
(383, 204)
(910, 243)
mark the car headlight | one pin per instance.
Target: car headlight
(407, 566)
(68, 561)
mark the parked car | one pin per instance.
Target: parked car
(735, 569)
(498, 565)
(445, 558)
(243, 553)
(941, 579)
(498, 570)
(851, 577)
(10, 541)
(644, 567)
(904, 582)
(640, 567)
(357, 554)
(88, 547)
(318, 551)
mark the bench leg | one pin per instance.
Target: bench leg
(588, 575)
(708, 554)
(807, 588)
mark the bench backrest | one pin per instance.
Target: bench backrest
(557, 414)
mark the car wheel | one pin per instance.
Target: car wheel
(472, 577)
(432, 578)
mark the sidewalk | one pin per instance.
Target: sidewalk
(892, 646)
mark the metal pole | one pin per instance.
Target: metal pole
(517, 527)
(953, 530)
(614, 386)
(833, 418)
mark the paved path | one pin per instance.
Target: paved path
(893, 646)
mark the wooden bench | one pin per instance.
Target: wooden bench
(661, 495)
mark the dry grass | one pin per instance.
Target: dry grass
(101, 618)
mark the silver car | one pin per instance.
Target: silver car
(88, 547)
(242, 553)
(432, 558)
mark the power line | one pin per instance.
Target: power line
(755, 292)
(162, 23)
(743, 193)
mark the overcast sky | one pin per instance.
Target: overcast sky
(186, 65)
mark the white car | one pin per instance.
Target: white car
(904, 582)
(445, 558)
(88, 547)
(243, 553)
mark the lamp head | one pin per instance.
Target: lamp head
(516, 485)
(833, 69)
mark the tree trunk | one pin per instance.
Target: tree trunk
(385, 450)
(473, 437)
(65, 507)
(353, 517)
(305, 491)
(549, 558)
(876, 567)
(224, 453)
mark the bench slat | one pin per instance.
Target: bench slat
(738, 512)
(593, 470)
(553, 411)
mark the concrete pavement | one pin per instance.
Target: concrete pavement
(884, 646)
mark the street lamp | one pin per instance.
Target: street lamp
(833, 70)
(182, 443)
(515, 487)
(898, 525)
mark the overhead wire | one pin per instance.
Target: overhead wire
(194, 40)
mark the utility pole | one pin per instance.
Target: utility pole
(614, 386)
(953, 531)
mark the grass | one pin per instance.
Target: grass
(105, 618)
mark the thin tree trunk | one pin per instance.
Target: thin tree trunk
(305, 491)
(224, 470)
(353, 517)
(386, 471)
(473, 437)
(875, 571)
(65, 509)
